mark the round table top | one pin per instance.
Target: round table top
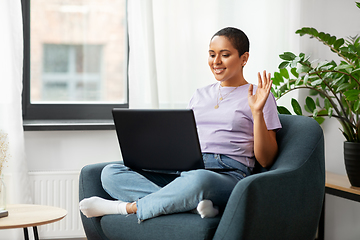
(29, 215)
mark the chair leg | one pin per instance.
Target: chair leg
(321, 228)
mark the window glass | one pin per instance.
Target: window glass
(72, 73)
(78, 51)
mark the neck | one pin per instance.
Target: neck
(236, 83)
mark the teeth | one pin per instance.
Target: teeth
(219, 70)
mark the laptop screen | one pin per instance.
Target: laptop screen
(158, 139)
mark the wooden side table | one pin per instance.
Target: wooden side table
(337, 185)
(28, 215)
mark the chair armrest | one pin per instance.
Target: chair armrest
(278, 204)
(90, 185)
(90, 181)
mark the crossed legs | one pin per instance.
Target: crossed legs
(151, 194)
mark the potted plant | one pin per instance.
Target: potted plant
(334, 90)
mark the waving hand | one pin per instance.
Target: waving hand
(257, 101)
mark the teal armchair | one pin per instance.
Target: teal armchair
(282, 202)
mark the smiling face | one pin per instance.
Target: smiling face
(225, 63)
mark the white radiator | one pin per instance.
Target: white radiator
(59, 189)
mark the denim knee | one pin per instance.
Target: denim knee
(201, 179)
(210, 185)
(108, 172)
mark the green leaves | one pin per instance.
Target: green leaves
(342, 87)
(356, 107)
(294, 72)
(288, 56)
(303, 69)
(306, 30)
(283, 110)
(284, 73)
(277, 79)
(296, 106)
(334, 43)
(310, 105)
(283, 65)
(338, 43)
(334, 87)
(324, 37)
(352, 95)
(320, 120)
(343, 67)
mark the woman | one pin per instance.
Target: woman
(236, 128)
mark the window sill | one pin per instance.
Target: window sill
(68, 125)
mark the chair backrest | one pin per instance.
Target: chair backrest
(297, 137)
(285, 201)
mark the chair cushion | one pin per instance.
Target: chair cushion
(174, 226)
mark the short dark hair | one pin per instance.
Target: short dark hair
(238, 39)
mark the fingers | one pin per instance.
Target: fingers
(250, 91)
(264, 82)
(259, 80)
(269, 83)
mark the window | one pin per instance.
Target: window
(71, 73)
(75, 59)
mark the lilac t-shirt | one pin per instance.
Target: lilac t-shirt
(228, 129)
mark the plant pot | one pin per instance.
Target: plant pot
(352, 162)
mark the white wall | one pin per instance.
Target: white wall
(69, 150)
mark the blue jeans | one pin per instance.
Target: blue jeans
(160, 193)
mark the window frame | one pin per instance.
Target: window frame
(61, 116)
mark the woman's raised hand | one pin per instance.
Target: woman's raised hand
(257, 101)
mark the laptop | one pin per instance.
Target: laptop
(160, 140)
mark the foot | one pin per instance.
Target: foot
(206, 209)
(96, 207)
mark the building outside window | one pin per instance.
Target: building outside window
(71, 73)
(76, 53)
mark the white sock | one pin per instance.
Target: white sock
(206, 209)
(96, 206)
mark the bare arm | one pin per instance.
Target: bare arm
(265, 145)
